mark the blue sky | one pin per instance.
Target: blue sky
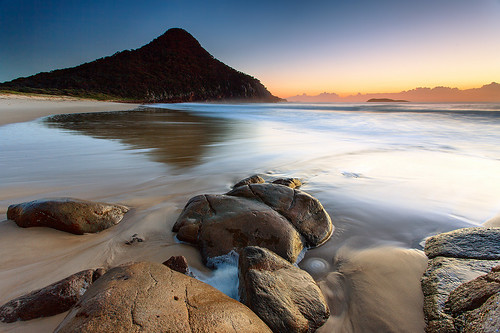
(291, 46)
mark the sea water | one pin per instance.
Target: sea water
(389, 175)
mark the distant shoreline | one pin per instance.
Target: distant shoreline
(16, 108)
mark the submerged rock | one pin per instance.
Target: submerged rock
(454, 293)
(51, 300)
(66, 214)
(150, 297)
(285, 297)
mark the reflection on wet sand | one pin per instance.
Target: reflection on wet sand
(176, 138)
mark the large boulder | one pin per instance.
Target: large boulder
(456, 258)
(302, 210)
(273, 216)
(220, 224)
(51, 300)
(285, 297)
(66, 214)
(150, 297)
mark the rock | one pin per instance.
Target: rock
(150, 297)
(290, 182)
(486, 318)
(51, 300)
(473, 243)
(178, 264)
(442, 276)
(134, 239)
(472, 294)
(220, 224)
(474, 304)
(454, 293)
(255, 179)
(70, 215)
(303, 211)
(285, 297)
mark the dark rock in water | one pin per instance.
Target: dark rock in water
(255, 179)
(285, 297)
(454, 293)
(150, 297)
(178, 264)
(134, 239)
(303, 211)
(66, 214)
(473, 243)
(220, 224)
(290, 182)
(51, 300)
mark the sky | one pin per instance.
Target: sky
(293, 47)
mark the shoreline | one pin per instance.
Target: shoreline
(16, 108)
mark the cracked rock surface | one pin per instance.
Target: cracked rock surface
(66, 214)
(150, 297)
(274, 216)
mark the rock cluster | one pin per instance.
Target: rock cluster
(65, 214)
(51, 300)
(274, 216)
(267, 224)
(458, 297)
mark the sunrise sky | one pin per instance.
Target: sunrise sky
(293, 47)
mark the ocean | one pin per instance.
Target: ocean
(389, 175)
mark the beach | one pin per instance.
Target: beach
(16, 108)
(388, 175)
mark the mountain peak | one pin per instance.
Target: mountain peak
(172, 68)
(176, 38)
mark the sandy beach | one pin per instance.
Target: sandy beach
(19, 108)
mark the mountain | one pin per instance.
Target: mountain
(486, 93)
(172, 68)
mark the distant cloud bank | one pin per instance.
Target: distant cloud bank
(487, 93)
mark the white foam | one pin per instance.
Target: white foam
(225, 275)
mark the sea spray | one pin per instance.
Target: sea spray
(225, 275)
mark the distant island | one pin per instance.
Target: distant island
(486, 93)
(172, 68)
(386, 100)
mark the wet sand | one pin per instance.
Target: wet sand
(19, 108)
